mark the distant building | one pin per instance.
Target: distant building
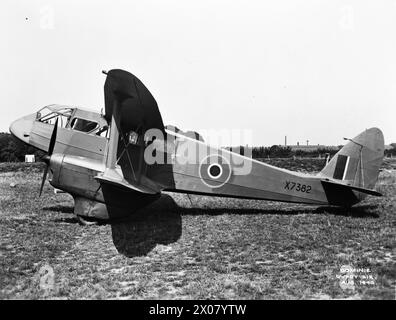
(30, 158)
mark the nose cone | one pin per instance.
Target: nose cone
(22, 127)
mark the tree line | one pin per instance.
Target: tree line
(14, 150)
(277, 151)
(392, 151)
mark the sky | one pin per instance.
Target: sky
(312, 70)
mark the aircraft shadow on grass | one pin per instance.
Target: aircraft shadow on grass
(59, 208)
(351, 212)
(62, 209)
(161, 222)
(361, 211)
(158, 223)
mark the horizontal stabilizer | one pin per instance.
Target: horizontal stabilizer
(363, 190)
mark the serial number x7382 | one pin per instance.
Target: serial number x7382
(290, 185)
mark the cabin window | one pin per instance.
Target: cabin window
(102, 132)
(83, 125)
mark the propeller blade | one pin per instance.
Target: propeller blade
(43, 181)
(47, 157)
(53, 138)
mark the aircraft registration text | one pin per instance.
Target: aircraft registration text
(290, 185)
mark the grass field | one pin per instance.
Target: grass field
(197, 247)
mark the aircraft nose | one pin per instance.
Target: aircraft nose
(22, 127)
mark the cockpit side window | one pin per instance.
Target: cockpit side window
(83, 125)
(49, 116)
(43, 114)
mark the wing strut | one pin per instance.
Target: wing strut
(111, 160)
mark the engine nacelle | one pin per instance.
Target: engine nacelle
(76, 175)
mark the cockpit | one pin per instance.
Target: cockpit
(74, 119)
(49, 114)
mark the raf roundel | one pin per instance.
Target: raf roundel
(214, 171)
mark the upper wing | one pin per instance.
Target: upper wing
(130, 109)
(138, 108)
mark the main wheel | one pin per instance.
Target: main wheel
(85, 221)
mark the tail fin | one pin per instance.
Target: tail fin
(359, 161)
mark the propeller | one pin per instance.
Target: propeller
(47, 157)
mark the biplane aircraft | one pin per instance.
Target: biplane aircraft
(118, 162)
